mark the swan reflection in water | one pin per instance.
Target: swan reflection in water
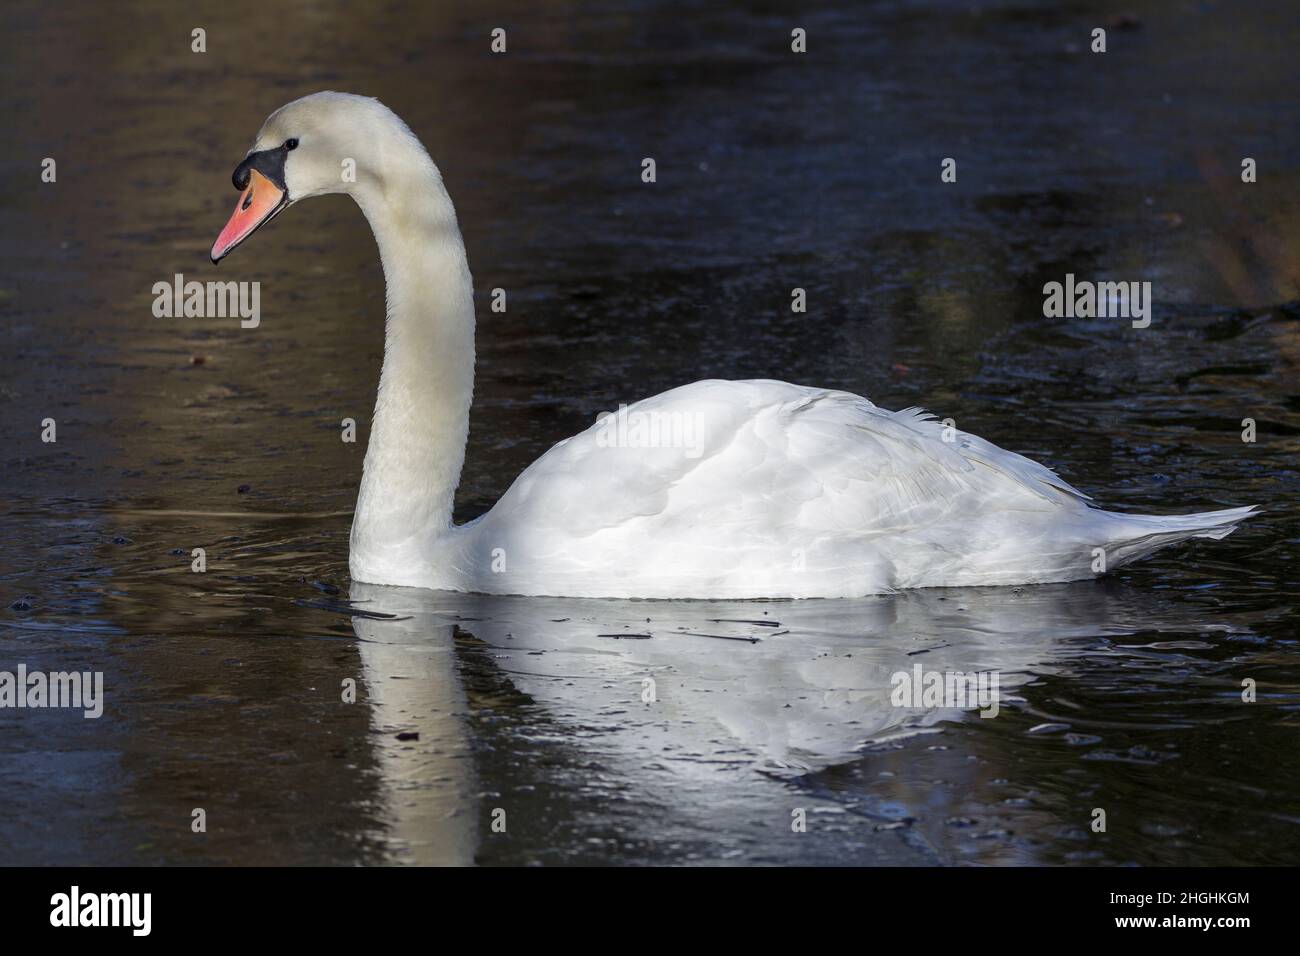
(697, 692)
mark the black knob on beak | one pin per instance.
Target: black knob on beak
(269, 162)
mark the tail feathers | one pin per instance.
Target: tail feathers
(1140, 535)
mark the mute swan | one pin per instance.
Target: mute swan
(762, 490)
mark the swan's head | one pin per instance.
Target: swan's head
(320, 144)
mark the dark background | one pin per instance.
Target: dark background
(775, 170)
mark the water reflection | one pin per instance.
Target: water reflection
(691, 697)
(422, 750)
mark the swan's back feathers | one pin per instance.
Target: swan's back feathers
(967, 451)
(762, 488)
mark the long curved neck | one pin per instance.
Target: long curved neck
(421, 420)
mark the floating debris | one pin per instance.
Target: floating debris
(720, 637)
(1048, 728)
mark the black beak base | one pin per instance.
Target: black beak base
(268, 162)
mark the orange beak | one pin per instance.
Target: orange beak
(258, 204)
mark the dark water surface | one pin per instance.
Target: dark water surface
(775, 171)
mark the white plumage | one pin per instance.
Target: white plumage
(755, 489)
(795, 492)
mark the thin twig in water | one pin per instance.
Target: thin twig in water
(720, 637)
(350, 610)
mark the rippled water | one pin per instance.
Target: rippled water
(775, 171)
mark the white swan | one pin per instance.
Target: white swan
(763, 489)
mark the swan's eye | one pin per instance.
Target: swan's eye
(290, 144)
